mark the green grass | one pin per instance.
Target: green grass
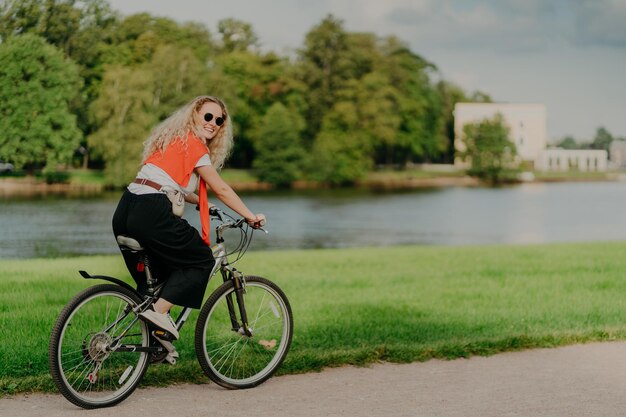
(238, 175)
(410, 174)
(358, 306)
(87, 176)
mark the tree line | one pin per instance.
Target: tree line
(601, 140)
(82, 85)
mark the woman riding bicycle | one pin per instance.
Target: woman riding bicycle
(193, 142)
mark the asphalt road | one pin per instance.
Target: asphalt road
(581, 380)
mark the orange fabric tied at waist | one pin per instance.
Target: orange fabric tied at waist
(205, 219)
(179, 160)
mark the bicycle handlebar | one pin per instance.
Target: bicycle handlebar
(236, 223)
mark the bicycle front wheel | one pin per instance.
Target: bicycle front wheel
(231, 358)
(92, 354)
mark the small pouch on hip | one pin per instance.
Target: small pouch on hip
(178, 202)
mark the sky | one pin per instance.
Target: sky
(567, 54)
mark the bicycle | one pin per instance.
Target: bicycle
(100, 350)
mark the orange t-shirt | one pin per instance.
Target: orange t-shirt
(178, 160)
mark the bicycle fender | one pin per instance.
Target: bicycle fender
(119, 282)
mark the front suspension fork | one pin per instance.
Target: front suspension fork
(239, 282)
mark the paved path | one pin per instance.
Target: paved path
(582, 380)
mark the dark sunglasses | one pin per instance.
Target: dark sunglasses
(209, 116)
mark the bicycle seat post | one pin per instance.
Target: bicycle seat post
(150, 280)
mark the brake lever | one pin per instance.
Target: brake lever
(215, 212)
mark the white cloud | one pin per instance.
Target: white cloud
(601, 22)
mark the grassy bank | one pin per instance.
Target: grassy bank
(358, 306)
(88, 182)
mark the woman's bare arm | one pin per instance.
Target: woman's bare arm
(227, 195)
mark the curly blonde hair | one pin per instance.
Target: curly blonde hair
(183, 121)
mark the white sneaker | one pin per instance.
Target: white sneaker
(161, 320)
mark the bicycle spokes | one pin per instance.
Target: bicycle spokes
(98, 350)
(236, 357)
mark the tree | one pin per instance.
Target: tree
(236, 35)
(602, 139)
(81, 29)
(568, 142)
(37, 85)
(324, 69)
(420, 134)
(491, 151)
(125, 112)
(341, 153)
(250, 83)
(449, 94)
(177, 73)
(480, 97)
(138, 37)
(278, 146)
(19, 17)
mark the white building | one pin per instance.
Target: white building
(617, 154)
(558, 159)
(526, 123)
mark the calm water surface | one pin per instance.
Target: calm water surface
(529, 213)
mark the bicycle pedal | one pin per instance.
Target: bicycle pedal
(162, 334)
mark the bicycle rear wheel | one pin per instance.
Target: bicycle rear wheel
(231, 358)
(84, 361)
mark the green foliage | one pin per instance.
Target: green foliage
(132, 100)
(236, 35)
(449, 94)
(324, 68)
(341, 153)
(56, 177)
(419, 136)
(390, 85)
(279, 150)
(602, 139)
(251, 83)
(125, 113)
(139, 36)
(176, 73)
(81, 29)
(568, 142)
(400, 116)
(480, 97)
(491, 151)
(37, 85)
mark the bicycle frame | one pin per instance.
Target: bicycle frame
(108, 318)
(228, 272)
(221, 264)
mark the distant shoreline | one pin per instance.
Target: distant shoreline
(33, 187)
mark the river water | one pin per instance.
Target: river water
(527, 213)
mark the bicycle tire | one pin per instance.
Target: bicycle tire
(232, 359)
(101, 378)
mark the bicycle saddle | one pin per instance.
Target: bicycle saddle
(129, 242)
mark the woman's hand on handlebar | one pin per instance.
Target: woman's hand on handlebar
(257, 222)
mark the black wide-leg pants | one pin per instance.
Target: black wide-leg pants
(177, 252)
